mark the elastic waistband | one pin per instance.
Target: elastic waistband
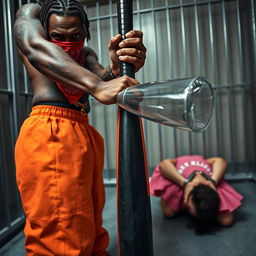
(85, 106)
(62, 112)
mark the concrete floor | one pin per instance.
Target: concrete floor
(176, 237)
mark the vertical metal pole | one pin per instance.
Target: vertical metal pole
(92, 101)
(134, 211)
(99, 32)
(4, 182)
(230, 98)
(25, 80)
(11, 70)
(199, 62)
(142, 71)
(241, 57)
(185, 63)
(110, 9)
(253, 74)
(11, 81)
(242, 77)
(198, 43)
(103, 106)
(140, 28)
(170, 49)
(214, 74)
(183, 34)
(157, 75)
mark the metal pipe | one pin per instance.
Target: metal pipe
(12, 77)
(214, 73)
(160, 135)
(198, 43)
(142, 70)
(110, 9)
(106, 130)
(253, 75)
(184, 39)
(227, 86)
(25, 81)
(5, 91)
(30, 94)
(4, 182)
(134, 211)
(7, 233)
(10, 85)
(185, 63)
(92, 101)
(230, 98)
(199, 66)
(242, 77)
(170, 49)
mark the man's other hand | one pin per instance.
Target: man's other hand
(131, 50)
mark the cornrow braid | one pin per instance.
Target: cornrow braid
(63, 7)
(40, 2)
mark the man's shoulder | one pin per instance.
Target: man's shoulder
(89, 52)
(28, 11)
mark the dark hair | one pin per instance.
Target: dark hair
(63, 7)
(207, 204)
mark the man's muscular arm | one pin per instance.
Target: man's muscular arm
(47, 57)
(93, 65)
(54, 63)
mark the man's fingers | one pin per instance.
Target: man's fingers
(133, 60)
(114, 41)
(132, 42)
(138, 63)
(131, 52)
(134, 33)
(131, 81)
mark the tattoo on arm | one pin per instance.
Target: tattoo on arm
(95, 67)
(28, 11)
(27, 25)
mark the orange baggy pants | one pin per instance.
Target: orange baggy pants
(59, 163)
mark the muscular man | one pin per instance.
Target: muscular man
(59, 156)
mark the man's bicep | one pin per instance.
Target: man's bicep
(27, 27)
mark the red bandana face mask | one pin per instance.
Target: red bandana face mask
(75, 50)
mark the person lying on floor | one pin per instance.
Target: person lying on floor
(197, 185)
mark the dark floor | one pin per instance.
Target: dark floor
(176, 237)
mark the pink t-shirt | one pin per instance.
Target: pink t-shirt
(187, 164)
(173, 194)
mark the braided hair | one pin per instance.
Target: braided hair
(63, 7)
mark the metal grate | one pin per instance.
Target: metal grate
(213, 38)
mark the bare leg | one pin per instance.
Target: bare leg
(167, 211)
